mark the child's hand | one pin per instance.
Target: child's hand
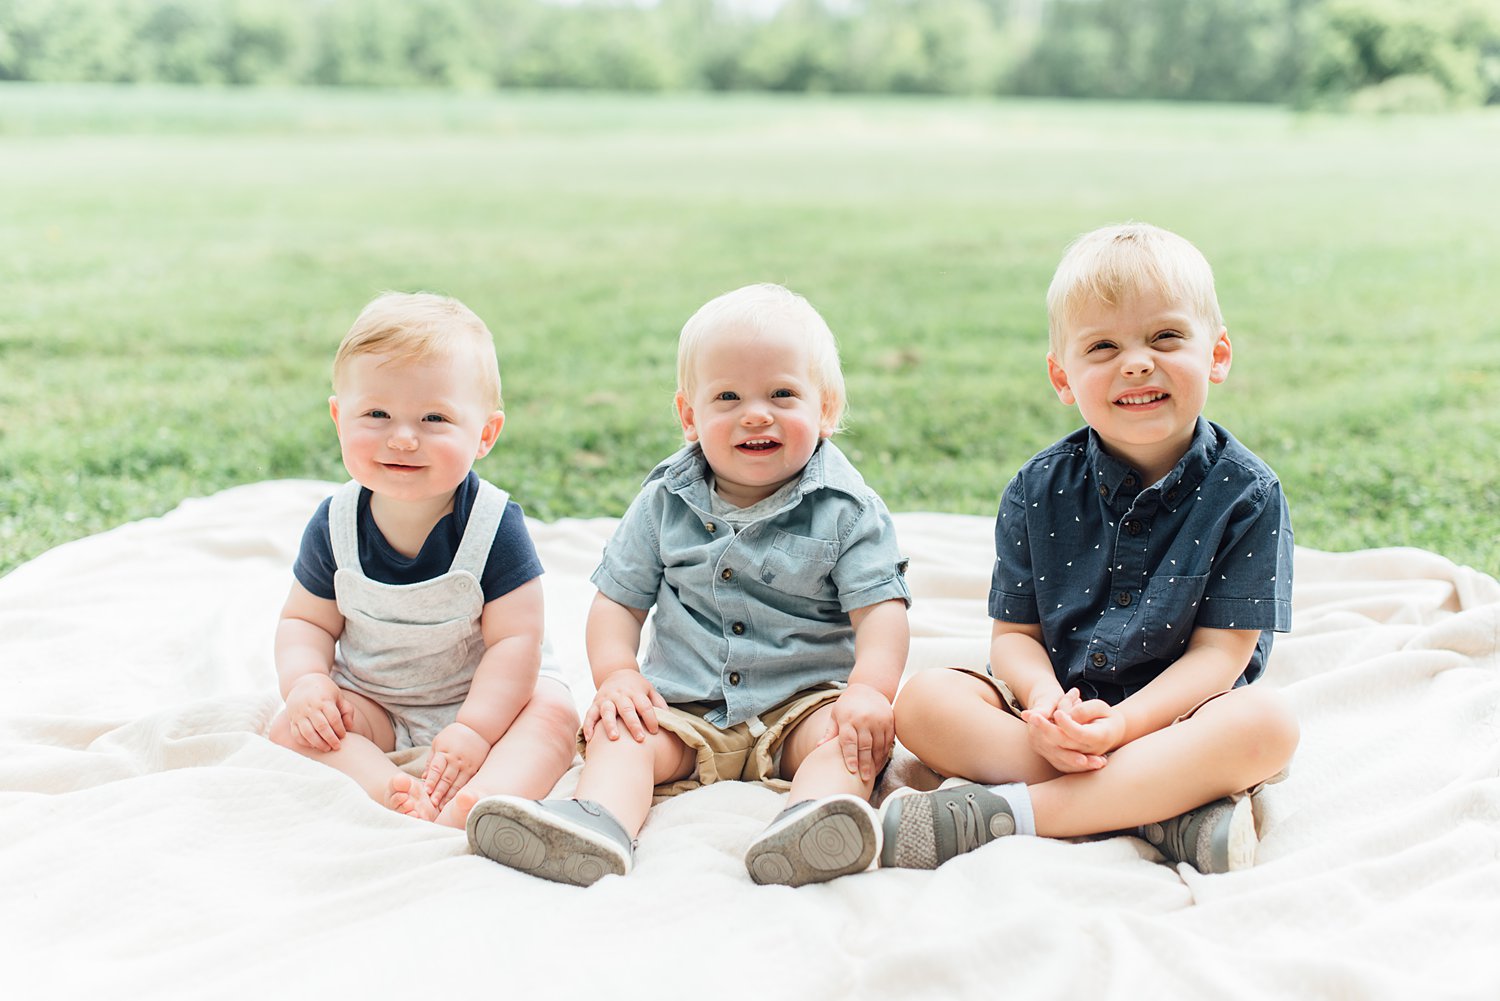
(866, 729)
(624, 697)
(1048, 739)
(1093, 728)
(457, 753)
(318, 713)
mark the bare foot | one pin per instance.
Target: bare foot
(456, 813)
(408, 795)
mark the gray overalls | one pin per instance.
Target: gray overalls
(413, 648)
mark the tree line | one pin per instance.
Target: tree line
(1398, 54)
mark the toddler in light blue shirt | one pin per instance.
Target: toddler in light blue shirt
(780, 630)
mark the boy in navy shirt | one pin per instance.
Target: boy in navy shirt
(1142, 564)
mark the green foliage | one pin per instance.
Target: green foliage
(1313, 52)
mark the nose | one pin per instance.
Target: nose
(1137, 363)
(402, 439)
(756, 414)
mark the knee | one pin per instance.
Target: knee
(919, 701)
(1268, 726)
(551, 709)
(280, 733)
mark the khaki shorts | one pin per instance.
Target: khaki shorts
(1013, 706)
(748, 752)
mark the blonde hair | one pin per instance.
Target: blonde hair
(1114, 263)
(760, 308)
(416, 326)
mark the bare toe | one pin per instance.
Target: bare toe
(407, 795)
(456, 813)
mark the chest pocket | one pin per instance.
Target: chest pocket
(798, 565)
(1168, 610)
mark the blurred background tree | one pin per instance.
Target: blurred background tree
(1372, 54)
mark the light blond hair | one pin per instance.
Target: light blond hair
(417, 326)
(760, 308)
(1115, 263)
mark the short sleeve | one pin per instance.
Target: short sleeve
(870, 568)
(630, 570)
(513, 559)
(1012, 587)
(1250, 583)
(315, 564)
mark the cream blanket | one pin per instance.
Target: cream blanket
(154, 844)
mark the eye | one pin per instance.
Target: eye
(379, 414)
(1099, 346)
(1168, 336)
(727, 395)
(435, 418)
(783, 394)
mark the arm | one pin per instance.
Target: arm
(861, 717)
(318, 713)
(1212, 662)
(504, 681)
(613, 637)
(1019, 658)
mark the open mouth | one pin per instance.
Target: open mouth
(1141, 399)
(758, 445)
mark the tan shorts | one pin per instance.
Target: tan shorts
(1013, 706)
(748, 752)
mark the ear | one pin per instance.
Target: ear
(685, 416)
(333, 411)
(1059, 380)
(1223, 355)
(490, 433)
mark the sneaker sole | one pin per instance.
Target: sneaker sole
(830, 839)
(521, 835)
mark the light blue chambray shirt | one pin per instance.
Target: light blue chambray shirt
(749, 619)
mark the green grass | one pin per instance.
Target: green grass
(178, 266)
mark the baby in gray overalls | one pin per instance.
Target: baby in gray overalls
(416, 615)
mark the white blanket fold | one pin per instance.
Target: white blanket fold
(154, 844)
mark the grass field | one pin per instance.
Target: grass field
(178, 266)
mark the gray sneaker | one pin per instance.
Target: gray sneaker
(1218, 837)
(815, 840)
(564, 840)
(925, 829)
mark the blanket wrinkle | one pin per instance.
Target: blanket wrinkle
(151, 838)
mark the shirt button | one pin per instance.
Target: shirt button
(726, 574)
(734, 677)
(738, 629)
(710, 526)
(1133, 527)
(1172, 494)
(1123, 599)
(1099, 660)
(1103, 490)
(1128, 481)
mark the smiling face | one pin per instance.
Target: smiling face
(1139, 372)
(410, 429)
(755, 410)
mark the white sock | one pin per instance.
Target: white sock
(1019, 798)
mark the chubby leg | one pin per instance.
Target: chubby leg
(621, 774)
(817, 769)
(956, 724)
(361, 754)
(529, 758)
(1229, 745)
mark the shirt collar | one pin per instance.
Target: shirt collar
(827, 469)
(1118, 480)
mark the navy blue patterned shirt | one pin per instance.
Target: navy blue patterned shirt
(1119, 572)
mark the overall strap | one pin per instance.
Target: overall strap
(479, 534)
(343, 527)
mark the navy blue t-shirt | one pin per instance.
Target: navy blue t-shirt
(1119, 572)
(512, 561)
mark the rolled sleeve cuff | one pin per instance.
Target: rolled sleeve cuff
(895, 587)
(1018, 608)
(1246, 613)
(617, 592)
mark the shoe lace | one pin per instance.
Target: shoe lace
(970, 830)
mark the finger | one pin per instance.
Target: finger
(435, 766)
(343, 716)
(324, 731)
(607, 717)
(632, 721)
(866, 760)
(849, 745)
(646, 713)
(310, 737)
